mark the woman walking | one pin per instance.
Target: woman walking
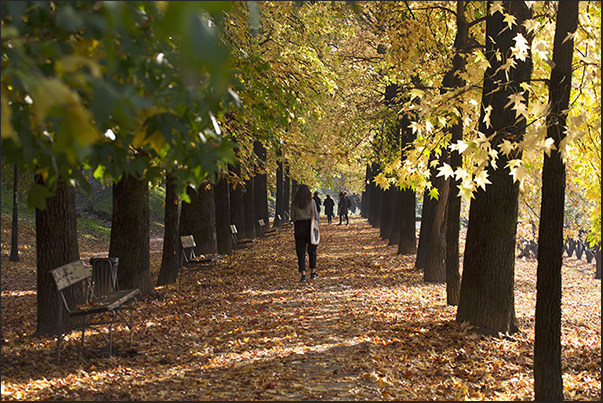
(301, 214)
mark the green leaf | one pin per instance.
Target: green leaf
(36, 198)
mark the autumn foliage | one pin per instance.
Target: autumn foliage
(368, 328)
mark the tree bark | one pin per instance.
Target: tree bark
(170, 257)
(260, 187)
(237, 205)
(286, 193)
(453, 212)
(198, 218)
(222, 213)
(279, 210)
(130, 234)
(435, 264)
(387, 213)
(408, 229)
(56, 245)
(548, 383)
(396, 217)
(487, 289)
(249, 230)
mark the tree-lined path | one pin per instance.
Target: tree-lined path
(368, 328)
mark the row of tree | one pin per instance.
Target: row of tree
(226, 100)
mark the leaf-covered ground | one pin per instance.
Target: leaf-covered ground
(368, 328)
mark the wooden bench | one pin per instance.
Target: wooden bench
(240, 243)
(285, 224)
(86, 310)
(265, 232)
(190, 263)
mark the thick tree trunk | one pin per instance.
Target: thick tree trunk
(408, 231)
(279, 210)
(453, 213)
(548, 383)
(130, 234)
(237, 205)
(249, 229)
(487, 290)
(377, 206)
(373, 190)
(286, 194)
(387, 213)
(56, 245)
(222, 212)
(396, 217)
(170, 258)
(435, 264)
(260, 187)
(365, 202)
(198, 218)
(427, 222)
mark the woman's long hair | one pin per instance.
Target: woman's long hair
(302, 197)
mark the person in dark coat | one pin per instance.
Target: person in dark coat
(329, 203)
(342, 208)
(318, 203)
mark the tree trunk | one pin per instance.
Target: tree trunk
(435, 264)
(260, 199)
(453, 212)
(427, 218)
(56, 245)
(198, 218)
(222, 211)
(286, 194)
(365, 203)
(387, 213)
(396, 217)
(487, 289)
(408, 231)
(170, 257)
(377, 206)
(548, 383)
(249, 230)
(279, 209)
(130, 234)
(237, 205)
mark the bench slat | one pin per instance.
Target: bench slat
(71, 273)
(106, 303)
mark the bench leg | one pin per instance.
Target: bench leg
(59, 340)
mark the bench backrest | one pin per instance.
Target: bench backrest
(188, 241)
(188, 248)
(104, 275)
(234, 232)
(70, 274)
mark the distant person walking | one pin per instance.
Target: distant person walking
(329, 203)
(342, 208)
(318, 203)
(301, 213)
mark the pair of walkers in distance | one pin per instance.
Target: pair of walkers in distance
(343, 207)
(301, 215)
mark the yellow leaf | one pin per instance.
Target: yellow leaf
(446, 171)
(381, 181)
(510, 20)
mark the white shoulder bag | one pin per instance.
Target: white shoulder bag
(314, 231)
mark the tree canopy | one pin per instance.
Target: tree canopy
(180, 83)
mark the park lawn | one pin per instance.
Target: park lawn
(368, 328)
